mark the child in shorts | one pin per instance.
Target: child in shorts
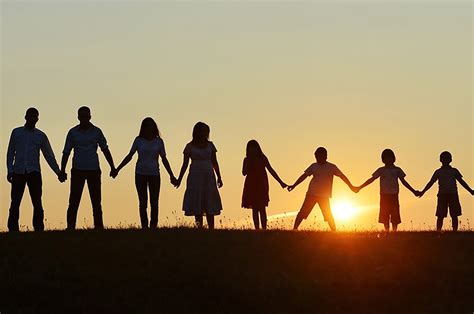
(389, 189)
(320, 188)
(448, 192)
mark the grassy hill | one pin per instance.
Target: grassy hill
(224, 271)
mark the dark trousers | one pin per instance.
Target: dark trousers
(153, 184)
(34, 182)
(78, 180)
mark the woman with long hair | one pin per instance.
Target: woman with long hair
(150, 147)
(201, 196)
(255, 194)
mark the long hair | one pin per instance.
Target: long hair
(254, 150)
(200, 132)
(149, 129)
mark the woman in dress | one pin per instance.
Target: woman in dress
(150, 147)
(255, 194)
(201, 196)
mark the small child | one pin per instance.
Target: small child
(255, 194)
(389, 189)
(448, 191)
(320, 188)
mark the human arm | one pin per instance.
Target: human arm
(125, 161)
(215, 165)
(409, 187)
(184, 167)
(432, 181)
(465, 185)
(167, 166)
(10, 158)
(346, 181)
(366, 183)
(298, 181)
(51, 159)
(274, 174)
(245, 167)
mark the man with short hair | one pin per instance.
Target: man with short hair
(84, 140)
(24, 168)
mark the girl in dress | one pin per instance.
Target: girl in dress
(201, 196)
(255, 195)
(150, 147)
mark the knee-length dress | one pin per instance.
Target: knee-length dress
(201, 196)
(255, 192)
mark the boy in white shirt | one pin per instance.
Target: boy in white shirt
(448, 192)
(320, 188)
(389, 176)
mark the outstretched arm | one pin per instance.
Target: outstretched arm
(346, 181)
(184, 167)
(465, 185)
(125, 161)
(274, 174)
(167, 166)
(408, 186)
(108, 157)
(298, 181)
(366, 183)
(215, 164)
(428, 186)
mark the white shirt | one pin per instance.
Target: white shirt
(85, 143)
(23, 151)
(446, 177)
(148, 154)
(389, 179)
(321, 183)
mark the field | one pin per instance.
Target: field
(225, 271)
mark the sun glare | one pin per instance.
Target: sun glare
(343, 210)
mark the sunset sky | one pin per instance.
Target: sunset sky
(354, 77)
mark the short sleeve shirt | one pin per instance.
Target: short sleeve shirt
(447, 177)
(201, 158)
(85, 143)
(389, 179)
(321, 183)
(148, 153)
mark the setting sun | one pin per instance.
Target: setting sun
(343, 210)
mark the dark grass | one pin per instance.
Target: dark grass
(192, 271)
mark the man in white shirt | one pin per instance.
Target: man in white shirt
(84, 140)
(24, 168)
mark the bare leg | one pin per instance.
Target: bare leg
(332, 224)
(439, 223)
(298, 220)
(210, 221)
(255, 217)
(455, 223)
(394, 227)
(386, 226)
(263, 218)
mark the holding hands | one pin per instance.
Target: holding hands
(114, 173)
(62, 176)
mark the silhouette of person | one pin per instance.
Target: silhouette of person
(150, 147)
(201, 196)
(448, 191)
(23, 166)
(389, 189)
(320, 188)
(84, 139)
(255, 194)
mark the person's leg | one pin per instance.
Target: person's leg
(325, 206)
(455, 223)
(35, 188)
(394, 226)
(141, 185)
(256, 220)
(199, 221)
(441, 210)
(95, 193)
(154, 183)
(384, 213)
(439, 223)
(78, 180)
(305, 210)
(18, 188)
(263, 218)
(210, 221)
(386, 227)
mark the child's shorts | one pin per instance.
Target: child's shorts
(451, 201)
(309, 203)
(389, 209)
